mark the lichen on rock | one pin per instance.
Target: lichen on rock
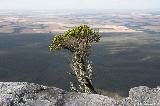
(30, 94)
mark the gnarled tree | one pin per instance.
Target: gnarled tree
(78, 41)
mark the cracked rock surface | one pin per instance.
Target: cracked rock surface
(30, 94)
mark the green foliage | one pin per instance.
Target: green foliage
(69, 40)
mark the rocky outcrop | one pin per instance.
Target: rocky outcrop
(29, 94)
(142, 96)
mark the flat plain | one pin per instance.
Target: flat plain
(121, 61)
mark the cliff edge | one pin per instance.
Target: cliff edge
(30, 94)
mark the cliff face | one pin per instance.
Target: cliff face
(29, 94)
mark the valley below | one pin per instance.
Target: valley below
(121, 60)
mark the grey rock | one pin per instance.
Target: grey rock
(30, 94)
(143, 96)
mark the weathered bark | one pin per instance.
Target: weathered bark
(79, 67)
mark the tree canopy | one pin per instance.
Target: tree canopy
(72, 38)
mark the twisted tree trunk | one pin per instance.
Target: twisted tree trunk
(79, 67)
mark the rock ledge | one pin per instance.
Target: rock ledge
(30, 94)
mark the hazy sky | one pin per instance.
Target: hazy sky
(79, 4)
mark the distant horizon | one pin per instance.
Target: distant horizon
(78, 4)
(155, 9)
